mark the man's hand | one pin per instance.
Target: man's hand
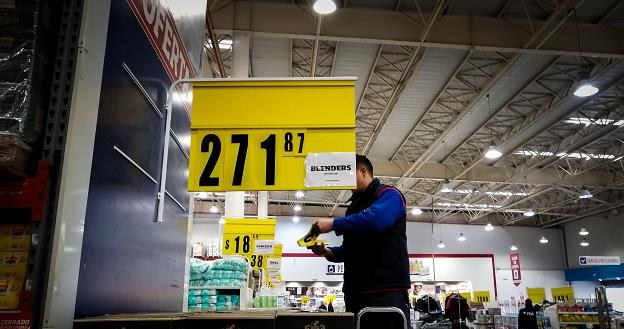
(321, 250)
(324, 225)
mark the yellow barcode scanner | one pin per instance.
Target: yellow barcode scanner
(310, 239)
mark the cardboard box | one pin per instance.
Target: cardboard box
(305, 320)
(15, 237)
(238, 320)
(132, 321)
(9, 293)
(13, 265)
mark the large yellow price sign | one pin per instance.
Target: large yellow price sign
(536, 295)
(258, 134)
(563, 295)
(481, 296)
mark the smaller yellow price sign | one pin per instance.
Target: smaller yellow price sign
(305, 299)
(481, 296)
(536, 295)
(329, 299)
(563, 294)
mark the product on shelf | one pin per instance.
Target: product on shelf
(206, 277)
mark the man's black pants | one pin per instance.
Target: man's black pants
(400, 299)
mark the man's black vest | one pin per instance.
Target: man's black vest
(375, 261)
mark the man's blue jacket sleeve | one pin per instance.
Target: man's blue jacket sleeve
(381, 215)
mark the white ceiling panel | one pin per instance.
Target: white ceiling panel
(270, 57)
(355, 60)
(427, 81)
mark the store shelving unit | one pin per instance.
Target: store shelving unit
(245, 293)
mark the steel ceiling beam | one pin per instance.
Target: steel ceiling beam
(437, 172)
(398, 28)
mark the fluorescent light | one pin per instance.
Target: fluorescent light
(416, 211)
(585, 194)
(297, 207)
(446, 189)
(324, 7)
(492, 152)
(214, 209)
(543, 240)
(584, 242)
(600, 280)
(489, 227)
(295, 219)
(513, 247)
(299, 194)
(618, 278)
(441, 245)
(529, 213)
(221, 221)
(461, 237)
(585, 89)
(201, 195)
(583, 231)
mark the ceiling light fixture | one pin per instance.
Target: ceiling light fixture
(324, 7)
(297, 207)
(584, 242)
(295, 219)
(492, 152)
(441, 245)
(585, 194)
(445, 187)
(299, 194)
(416, 211)
(214, 209)
(513, 247)
(221, 221)
(583, 231)
(201, 195)
(461, 237)
(489, 227)
(543, 240)
(529, 213)
(585, 88)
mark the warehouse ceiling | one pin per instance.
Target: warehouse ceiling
(440, 81)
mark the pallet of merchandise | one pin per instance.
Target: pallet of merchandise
(14, 155)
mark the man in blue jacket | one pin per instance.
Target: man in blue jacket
(374, 248)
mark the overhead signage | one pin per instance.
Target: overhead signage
(536, 295)
(516, 273)
(599, 260)
(563, 294)
(335, 269)
(255, 134)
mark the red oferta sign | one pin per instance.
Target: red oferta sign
(516, 274)
(162, 32)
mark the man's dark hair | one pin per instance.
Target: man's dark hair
(362, 161)
(528, 303)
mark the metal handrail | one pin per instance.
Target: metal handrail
(380, 310)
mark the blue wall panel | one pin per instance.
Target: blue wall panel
(130, 263)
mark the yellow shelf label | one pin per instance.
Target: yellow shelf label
(481, 296)
(563, 295)
(536, 295)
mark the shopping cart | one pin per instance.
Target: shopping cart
(380, 310)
